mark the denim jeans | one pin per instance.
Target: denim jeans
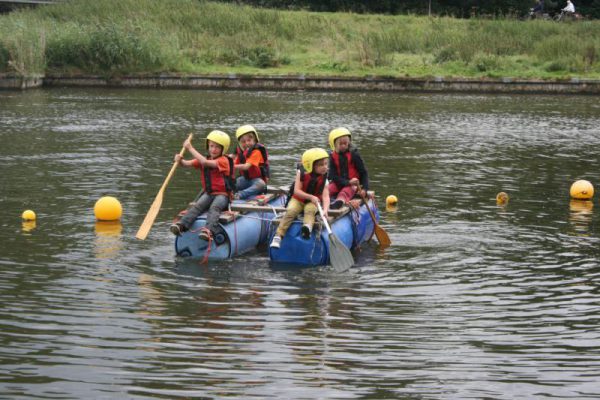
(249, 187)
(214, 204)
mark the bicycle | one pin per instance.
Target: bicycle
(567, 16)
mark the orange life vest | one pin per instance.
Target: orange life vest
(215, 182)
(262, 171)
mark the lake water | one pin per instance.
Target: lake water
(472, 300)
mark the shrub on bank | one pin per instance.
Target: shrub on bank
(22, 44)
(110, 49)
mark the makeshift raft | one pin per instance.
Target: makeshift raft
(243, 228)
(352, 227)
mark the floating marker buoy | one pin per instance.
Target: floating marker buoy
(28, 215)
(391, 200)
(501, 198)
(108, 208)
(582, 190)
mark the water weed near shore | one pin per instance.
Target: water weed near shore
(112, 38)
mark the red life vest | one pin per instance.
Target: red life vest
(262, 171)
(311, 184)
(344, 165)
(215, 182)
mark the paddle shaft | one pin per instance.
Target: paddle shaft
(325, 222)
(155, 207)
(380, 233)
(364, 199)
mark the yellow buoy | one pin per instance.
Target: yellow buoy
(501, 198)
(28, 215)
(582, 190)
(108, 208)
(391, 200)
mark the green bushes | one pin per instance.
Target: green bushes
(108, 49)
(22, 45)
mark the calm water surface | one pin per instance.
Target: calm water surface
(472, 300)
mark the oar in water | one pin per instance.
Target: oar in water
(155, 207)
(382, 236)
(340, 257)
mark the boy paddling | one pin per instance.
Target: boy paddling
(216, 174)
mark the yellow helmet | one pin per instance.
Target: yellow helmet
(219, 137)
(242, 130)
(310, 156)
(337, 133)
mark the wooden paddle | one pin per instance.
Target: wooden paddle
(340, 257)
(155, 207)
(382, 236)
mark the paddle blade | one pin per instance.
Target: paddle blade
(340, 256)
(382, 237)
(150, 217)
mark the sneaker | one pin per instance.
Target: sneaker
(337, 204)
(204, 235)
(306, 231)
(276, 242)
(176, 229)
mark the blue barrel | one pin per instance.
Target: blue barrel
(365, 228)
(353, 228)
(236, 237)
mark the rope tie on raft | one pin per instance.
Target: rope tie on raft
(210, 239)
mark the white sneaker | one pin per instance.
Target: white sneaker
(276, 242)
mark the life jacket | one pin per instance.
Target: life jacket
(214, 181)
(344, 164)
(263, 170)
(311, 183)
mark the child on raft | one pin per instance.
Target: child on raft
(252, 161)
(346, 169)
(309, 190)
(216, 174)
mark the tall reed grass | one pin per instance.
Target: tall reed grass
(115, 37)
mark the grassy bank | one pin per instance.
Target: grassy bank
(115, 37)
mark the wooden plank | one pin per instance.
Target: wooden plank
(238, 210)
(278, 189)
(278, 209)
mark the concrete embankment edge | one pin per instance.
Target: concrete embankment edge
(302, 82)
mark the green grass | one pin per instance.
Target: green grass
(116, 37)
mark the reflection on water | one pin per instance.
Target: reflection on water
(474, 299)
(580, 217)
(108, 239)
(28, 226)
